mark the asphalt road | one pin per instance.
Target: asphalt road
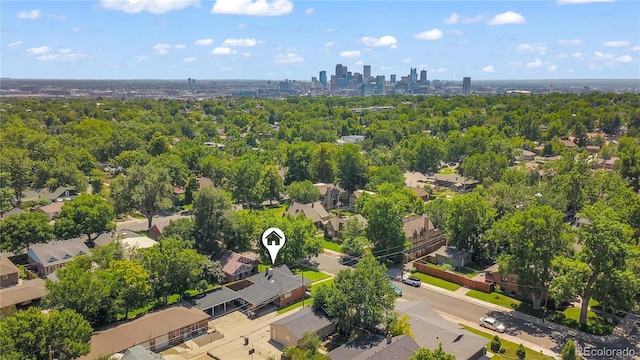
(471, 311)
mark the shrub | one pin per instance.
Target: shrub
(521, 352)
(447, 267)
(496, 345)
(413, 270)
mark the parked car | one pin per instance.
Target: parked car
(491, 323)
(397, 290)
(411, 280)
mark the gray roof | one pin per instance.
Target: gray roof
(32, 195)
(58, 252)
(216, 297)
(431, 329)
(107, 237)
(303, 321)
(266, 289)
(375, 347)
(450, 252)
(138, 352)
(14, 211)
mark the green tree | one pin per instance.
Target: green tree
(400, 326)
(391, 174)
(303, 191)
(426, 354)
(65, 333)
(159, 144)
(173, 268)
(246, 187)
(428, 153)
(96, 179)
(470, 216)
(298, 159)
(15, 166)
(385, 228)
(86, 214)
(438, 212)
(569, 351)
(309, 342)
(352, 168)
(21, 230)
(534, 237)
(183, 229)
(146, 189)
(211, 210)
(630, 165)
(302, 242)
(323, 163)
(521, 353)
(129, 283)
(272, 183)
(359, 299)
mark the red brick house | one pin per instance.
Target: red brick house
(424, 237)
(9, 273)
(237, 266)
(508, 283)
(47, 258)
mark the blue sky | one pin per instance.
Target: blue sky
(278, 39)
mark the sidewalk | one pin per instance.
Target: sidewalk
(608, 339)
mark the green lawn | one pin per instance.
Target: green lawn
(468, 272)
(307, 303)
(314, 287)
(596, 324)
(436, 281)
(510, 347)
(495, 298)
(312, 275)
(331, 245)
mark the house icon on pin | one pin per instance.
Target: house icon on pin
(273, 239)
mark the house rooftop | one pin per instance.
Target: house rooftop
(231, 261)
(415, 225)
(7, 266)
(31, 195)
(304, 320)
(27, 291)
(52, 208)
(58, 252)
(375, 347)
(449, 251)
(14, 211)
(265, 289)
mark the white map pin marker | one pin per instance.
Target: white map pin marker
(273, 240)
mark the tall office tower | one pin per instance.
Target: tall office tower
(338, 71)
(423, 77)
(393, 79)
(323, 79)
(466, 85)
(366, 74)
(380, 85)
(188, 80)
(413, 80)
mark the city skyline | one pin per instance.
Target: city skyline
(278, 39)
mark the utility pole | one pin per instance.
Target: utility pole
(50, 353)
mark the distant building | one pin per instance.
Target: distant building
(323, 79)
(466, 85)
(423, 77)
(392, 79)
(380, 85)
(366, 74)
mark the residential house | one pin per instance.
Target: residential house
(350, 139)
(358, 194)
(138, 352)
(420, 192)
(568, 143)
(288, 331)
(313, 211)
(526, 155)
(594, 149)
(62, 193)
(46, 258)
(52, 210)
(156, 230)
(376, 347)
(331, 196)
(453, 182)
(335, 226)
(9, 273)
(202, 182)
(237, 266)
(450, 255)
(14, 211)
(414, 179)
(605, 164)
(21, 294)
(217, 301)
(508, 283)
(155, 331)
(424, 237)
(128, 239)
(277, 286)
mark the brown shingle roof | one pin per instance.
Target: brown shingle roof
(314, 211)
(27, 291)
(231, 261)
(52, 208)
(416, 225)
(150, 326)
(6, 266)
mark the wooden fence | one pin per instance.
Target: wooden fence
(461, 280)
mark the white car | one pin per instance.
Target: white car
(413, 281)
(491, 323)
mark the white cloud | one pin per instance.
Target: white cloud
(350, 53)
(14, 44)
(180, 46)
(142, 58)
(602, 56)
(57, 17)
(240, 42)
(624, 59)
(571, 2)
(161, 49)
(290, 58)
(329, 44)
(384, 41)
(456, 18)
(635, 48)
(223, 51)
(552, 67)
(433, 34)
(577, 55)
(540, 48)
(309, 11)
(246, 54)
(63, 55)
(488, 69)
(616, 43)
(28, 14)
(152, 6)
(226, 68)
(359, 62)
(406, 61)
(439, 70)
(39, 50)
(252, 7)
(242, 26)
(204, 42)
(569, 42)
(457, 32)
(536, 63)
(509, 17)
(190, 59)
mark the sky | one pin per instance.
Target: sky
(283, 39)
